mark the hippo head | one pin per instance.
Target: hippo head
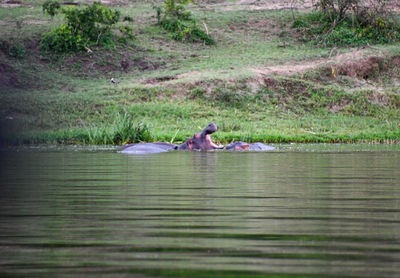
(202, 140)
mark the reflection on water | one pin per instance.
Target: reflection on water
(317, 211)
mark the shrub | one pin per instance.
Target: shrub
(83, 28)
(336, 9)
(17, 50)
(13, 48)
(183, 27)
(51, 7)
(349, 22)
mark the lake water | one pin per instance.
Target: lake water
(300, 211)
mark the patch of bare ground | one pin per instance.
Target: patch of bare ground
(115, 3)
(360, 65)
(157, 80)
(10, 4)
(363, 69)
(35, 22)
(254, 5)
(290, 69)
(366, 73)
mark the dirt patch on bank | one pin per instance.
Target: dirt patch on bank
(254, 5)
(343, 60)
(360, 69)
(260, 5)
(363, 69)
(10, 4)
(360, 64)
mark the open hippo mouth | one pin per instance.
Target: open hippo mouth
(202, 140)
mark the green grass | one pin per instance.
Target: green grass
(70, 99)
(95, 118)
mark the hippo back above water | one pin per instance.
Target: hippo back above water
(147, 148)
(243, 146)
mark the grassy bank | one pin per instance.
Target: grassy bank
(260, 82)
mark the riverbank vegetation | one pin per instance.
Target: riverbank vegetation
(269, 75)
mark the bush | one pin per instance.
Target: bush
(349, 22)
(13, 48)
(336, 9)
(51, 7)
(180, 23)
(83, 29)
(17, 50)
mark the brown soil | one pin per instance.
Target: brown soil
(262, 5)
(365, 68)
(273, 5)
(156, 80)
(364, 61)
(10, 4)
(360, 69)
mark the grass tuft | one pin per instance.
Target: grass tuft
(122, 130)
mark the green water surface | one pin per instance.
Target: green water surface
(300, 211)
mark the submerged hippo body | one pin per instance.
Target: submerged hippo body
(243, 146)
(144, 148)
(202, 141)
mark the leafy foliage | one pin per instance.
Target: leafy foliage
(83, 28)
(51, 7)
(13, 48)
(180, 23)
(336, 9)
(349, 22)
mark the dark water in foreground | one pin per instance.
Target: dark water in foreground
(302, 211)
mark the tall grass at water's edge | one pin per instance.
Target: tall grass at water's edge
(123, 129)
(119, 135)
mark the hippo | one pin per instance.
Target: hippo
(243, 146)
(200, 141)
